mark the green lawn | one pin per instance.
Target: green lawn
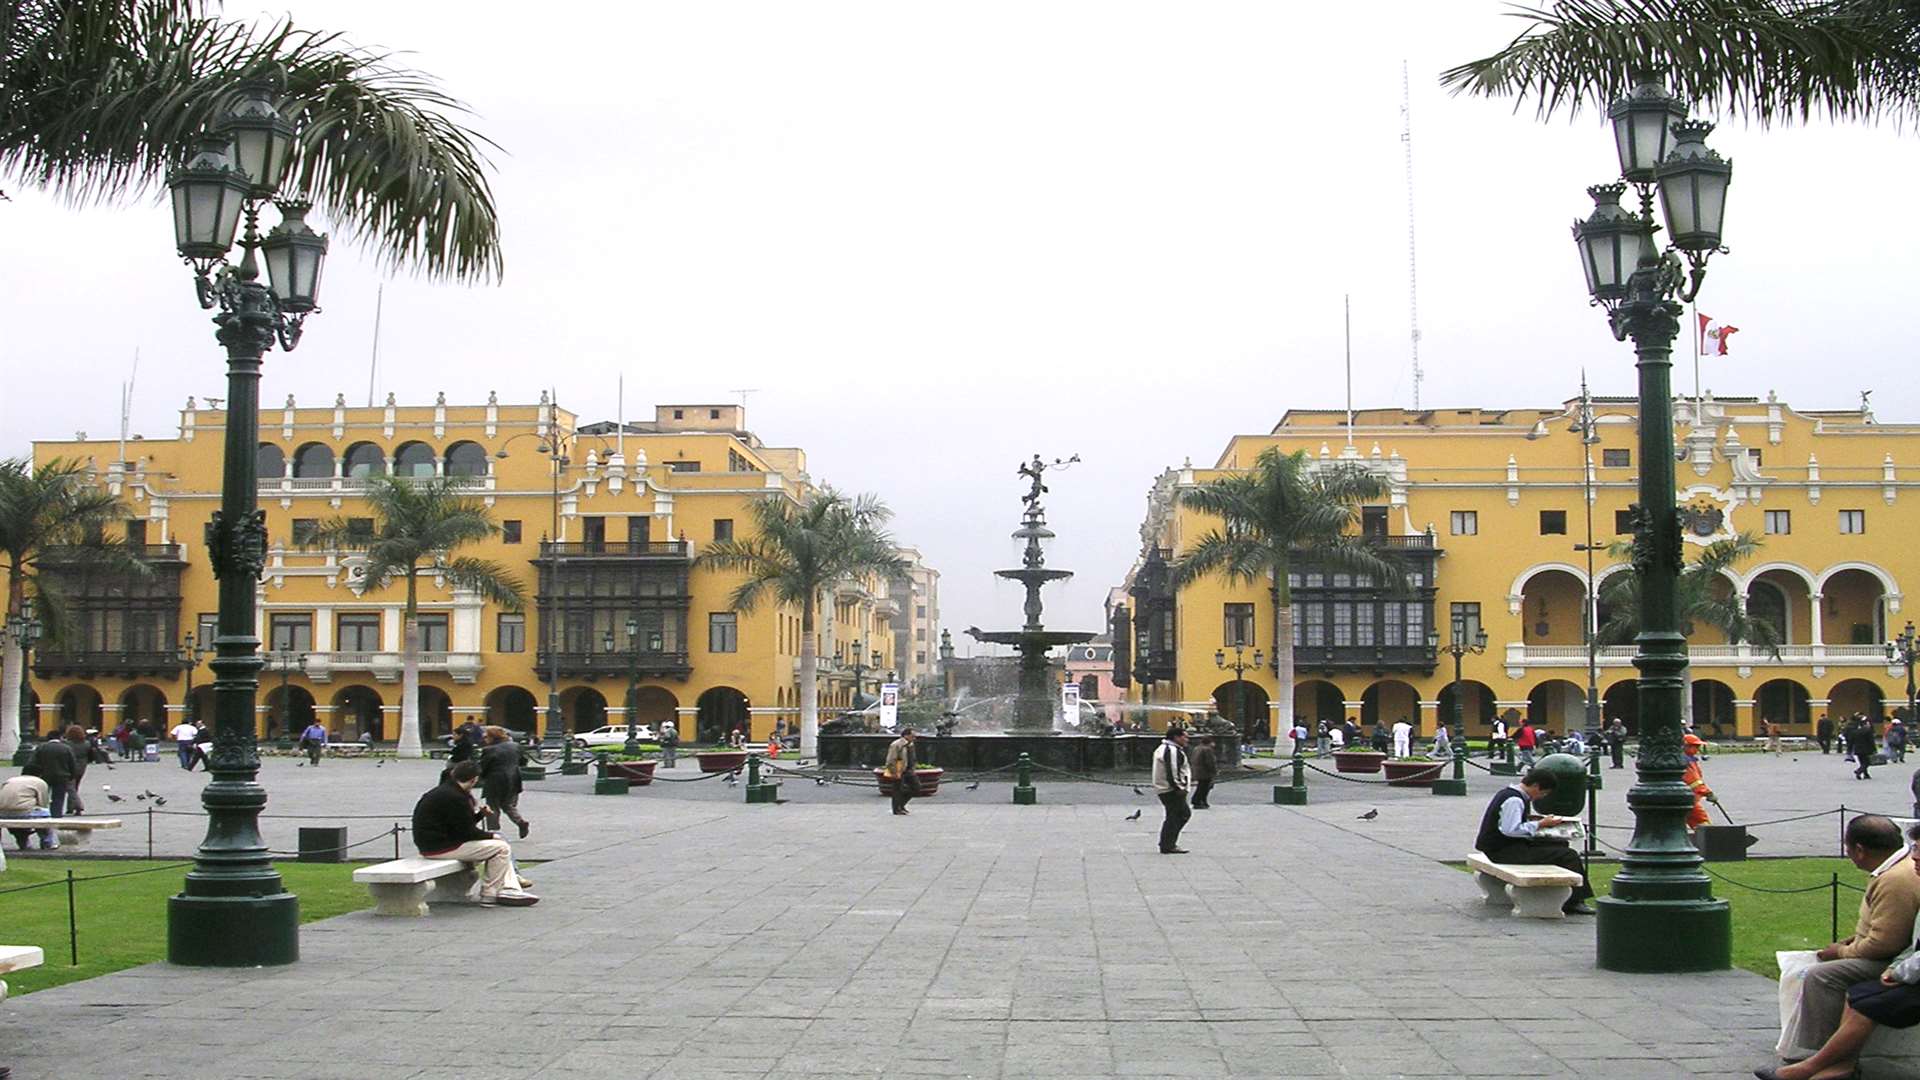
(1763, 922)
(123, 921)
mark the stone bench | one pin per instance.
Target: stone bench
(1534, 892)
(400, 887)
(16, 958)
(74, 831)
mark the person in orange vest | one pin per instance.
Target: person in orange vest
(1696, 783)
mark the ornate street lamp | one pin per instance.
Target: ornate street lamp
(190, 654)
(24, 629)
(286, 663)
(1661, 915)
(234, 910)
(633, 683)
(1904, 650)
(854, 701)
(1458, 646)
(1240, 667)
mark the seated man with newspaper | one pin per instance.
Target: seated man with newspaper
(1885, 928)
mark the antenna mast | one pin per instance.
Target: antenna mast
(1413, 266)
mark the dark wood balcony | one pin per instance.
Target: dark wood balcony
(1375, 659)
(593, 666)
(617, 549)
(54, 663)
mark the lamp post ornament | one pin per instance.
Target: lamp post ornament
(1458, 645)
(1904, 650)
(1661, 914)
(1239, 667)
(234, 910)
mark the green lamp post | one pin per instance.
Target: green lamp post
(234, 910)
(1458, 645)
(1661, 915)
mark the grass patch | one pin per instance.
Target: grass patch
(1764, 923)
(122, 921)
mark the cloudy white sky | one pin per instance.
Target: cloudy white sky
(936, 238)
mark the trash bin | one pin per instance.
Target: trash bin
(326, 843)
(153, 752)
(1723, 843)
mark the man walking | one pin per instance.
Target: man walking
(500, 778)
(1497, 741)
(1508, 834)
(314, 740)
(899, 768)
(1206, 766)
(669, 743)
(1823, 732)
(1172, 779)
(1402, 738)
(1524, 741)
(1617, 742)
(184, 735)
(445, 826)
(1884, 928)
(1773, 736)
(1860, 744)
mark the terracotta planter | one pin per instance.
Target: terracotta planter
(929, 781)
(721, 760)
(635, 773)
(1358, 761)
(1412, 773)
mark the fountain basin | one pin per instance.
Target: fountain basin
(970, 753)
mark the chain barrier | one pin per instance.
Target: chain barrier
(393, 832)
(1348, 779)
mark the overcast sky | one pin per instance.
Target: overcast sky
(937, 238)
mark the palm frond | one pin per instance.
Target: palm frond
(494, 582)
(1769, 60)
(99, 98)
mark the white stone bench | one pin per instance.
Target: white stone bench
(1534, 892)
(16, 958)
(400, 887)
(74, 831)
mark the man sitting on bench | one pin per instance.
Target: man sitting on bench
(1509, 834)
(445, 827)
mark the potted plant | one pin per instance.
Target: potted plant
(635, 773)
(1411, 772)
(1358, 761)
(928, 777)
(721, 759)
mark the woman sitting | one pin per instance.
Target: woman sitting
(1892, 1000)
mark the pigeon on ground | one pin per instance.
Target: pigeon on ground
(141, 798)
(111, 797)
(1135, 816)
(380, 764)
(975, 786)
(158, 801)
(300, 765)
(819, 781)
(733, 779)
(1137, 791)
(149, 793)
(1370, 815)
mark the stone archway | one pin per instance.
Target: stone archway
(1622, 700)
(1850, 696)
(1244, 704)
(1315, 700)
(1476, 701)
(144, 702)
(513, 708)
(1390, 700)
(1713, 710)
(1784, 701)
(1558, 705)
(436, 714)
(288, 716)
(582, 708)
(359, 715)
(718, 712)
(654, 706)
(79, 704)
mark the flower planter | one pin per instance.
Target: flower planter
(929, 781)
(1358, 761)
(1412, 773)
(721, 760)
(635, 773)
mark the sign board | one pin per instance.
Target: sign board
(1070, 703)
(889, 705)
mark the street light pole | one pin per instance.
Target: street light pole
(1661, 915)
(1458, 646)
(23, 628)
(234, 910)
(1590, 621)
(190, 655)
(1239, 667)
(853, 702)
(1904, 650)
(633, 683)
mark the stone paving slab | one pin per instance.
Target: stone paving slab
(686, 935)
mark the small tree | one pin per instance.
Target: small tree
(1278, 514)
(1695, 601)
(55, 508)
(798, 552)
(418, 525)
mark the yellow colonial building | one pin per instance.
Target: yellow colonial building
(605, 531)
(1486, 511)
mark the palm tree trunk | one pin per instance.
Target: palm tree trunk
(809, 687)
(1282, 653)
(14, 673)
(409, 743)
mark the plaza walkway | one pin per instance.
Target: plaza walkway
(684, 936)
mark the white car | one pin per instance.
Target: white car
(611, 735)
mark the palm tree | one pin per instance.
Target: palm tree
(1281, 513)
(99, 98)
(418, 525)
(1695, 601)
(1767, 59)
(798, 552)
(54, 508)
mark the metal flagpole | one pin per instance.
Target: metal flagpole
(1347, 303)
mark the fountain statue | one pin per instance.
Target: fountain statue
(1034, 709)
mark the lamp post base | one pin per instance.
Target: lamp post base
(1449, 787)
(1287, 795)
(233, 931)
(1663, 936)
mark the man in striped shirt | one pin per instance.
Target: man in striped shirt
(1172, 779)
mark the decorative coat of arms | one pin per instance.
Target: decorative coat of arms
(1704, 514)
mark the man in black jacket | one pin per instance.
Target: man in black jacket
(500, 777)
(54, 762)
(445, 827)
(1509, 833)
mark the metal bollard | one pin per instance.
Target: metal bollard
(758, 792)
(1457, 785)
(1594, 782)
(604, 784)
(1507, 766)
(1296, 795)
(1023, 790)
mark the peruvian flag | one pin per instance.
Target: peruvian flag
(1714, 336)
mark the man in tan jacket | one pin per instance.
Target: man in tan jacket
(1884, 930)
(899, 767)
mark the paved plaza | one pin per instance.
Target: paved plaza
(686, 935)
